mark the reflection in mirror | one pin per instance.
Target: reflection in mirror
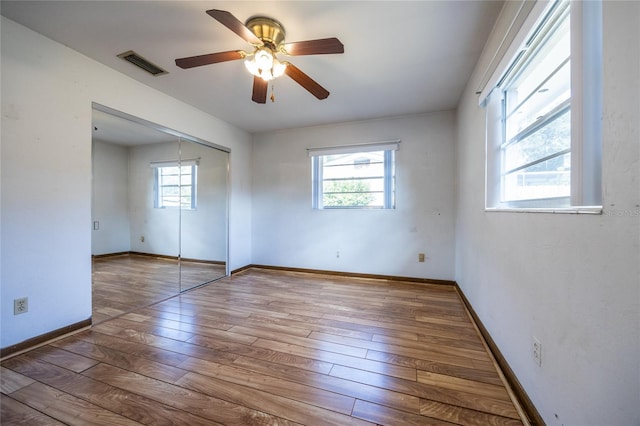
(139, 191)
(134, 246)
(203, 214)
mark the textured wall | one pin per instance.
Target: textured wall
(288, 232)
(572, 281)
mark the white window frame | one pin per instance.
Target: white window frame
(158, 200)
(586, 110)
(317, 180)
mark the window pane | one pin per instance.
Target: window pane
(175, 187)
(548, 140)
(537, 115)
(170, 170)
(353, 180)
(168, 191)
(545, 53)
(366, 164)
(542, 81)
(549, 179)
(352, 192)
(170, 180)
(170, 201)
(349, 159)
(539, 143)
(351, 170)
(551, 95)
(362, 201)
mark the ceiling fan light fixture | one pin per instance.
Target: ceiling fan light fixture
(264, 64)
(278, 68)
(267, 36)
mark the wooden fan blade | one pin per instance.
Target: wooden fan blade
(305, 81)
(231, 22)
(211, 58)
(259, 90)
(314, 47)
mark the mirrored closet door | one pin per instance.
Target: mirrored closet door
(203, 214)
(159, 213)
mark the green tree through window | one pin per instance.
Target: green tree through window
(347, 193)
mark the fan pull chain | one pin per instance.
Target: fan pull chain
(273, 97)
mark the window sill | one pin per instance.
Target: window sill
(560, 210)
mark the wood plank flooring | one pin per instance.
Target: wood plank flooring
(125, 282)
(269, 347)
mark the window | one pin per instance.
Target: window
(175, 184)
(544, 112)
(354, 177)
(536, 151)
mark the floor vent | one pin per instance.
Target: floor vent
(141, 62)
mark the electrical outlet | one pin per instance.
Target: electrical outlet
(20, 306)
(537, 351)
(142, 238)
(421, 257)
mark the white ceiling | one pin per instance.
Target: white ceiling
(401, 57)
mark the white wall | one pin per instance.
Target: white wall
(570, 280)
(47, 91)
(110, 204)
(288, 232)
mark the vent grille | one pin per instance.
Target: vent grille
(142, 63)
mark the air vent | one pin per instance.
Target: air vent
(141, 62)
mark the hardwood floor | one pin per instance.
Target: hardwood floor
(269, 347)
(125, 282)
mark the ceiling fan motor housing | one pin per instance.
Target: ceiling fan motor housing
(270, 31)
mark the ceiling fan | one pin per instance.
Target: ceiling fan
(267, 37)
